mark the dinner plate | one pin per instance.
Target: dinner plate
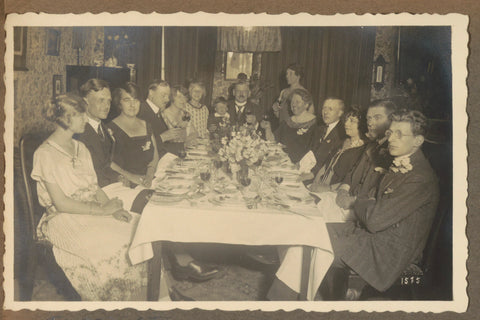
(225, 200)
(225, 189)
(165, 199)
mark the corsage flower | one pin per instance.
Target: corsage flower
(401, 165)
(302, 131)
(146, 146)
(110, 132)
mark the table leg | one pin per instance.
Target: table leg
(306, 261)
(154, 272)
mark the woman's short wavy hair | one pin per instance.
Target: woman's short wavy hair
(418, 122)
(298, 69)
(356, 112)
(130, 88)
(175, 89)
(63, 107)
(304, 94)
(197, 83)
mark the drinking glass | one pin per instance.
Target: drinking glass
(278, 179)
(182, 154)
(205, 175)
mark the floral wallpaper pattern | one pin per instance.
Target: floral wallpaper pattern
(385, 45)
(34, 87)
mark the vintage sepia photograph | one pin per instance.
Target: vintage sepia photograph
(274, 162)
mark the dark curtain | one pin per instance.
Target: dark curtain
(141, 46)
(190, 54)
(149, 57)
(337, 61)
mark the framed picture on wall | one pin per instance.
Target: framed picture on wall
(53, 42)
(57, 85)
(238, 62)
(20, 49)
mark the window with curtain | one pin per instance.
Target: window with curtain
(337, 61)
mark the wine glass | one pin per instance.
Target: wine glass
(278, 179)
(245, 181)
(182, 154)
(217, 163)
(205, 175)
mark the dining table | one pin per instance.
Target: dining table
(202, 199)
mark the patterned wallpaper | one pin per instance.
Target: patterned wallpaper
(34, 87)
(385, 45)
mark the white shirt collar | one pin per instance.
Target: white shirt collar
(405, 156)
(330, 127)
(94, 123)
(152, 105)
(240, 104)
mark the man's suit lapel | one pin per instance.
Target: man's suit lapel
(91, 136)
(393, 180)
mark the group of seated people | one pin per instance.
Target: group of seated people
(379, 174)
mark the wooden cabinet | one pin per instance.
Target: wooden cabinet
(78, 75)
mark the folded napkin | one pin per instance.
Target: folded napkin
(163, 164)
(307, 162)
(330, 210)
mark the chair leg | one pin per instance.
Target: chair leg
(27, 283)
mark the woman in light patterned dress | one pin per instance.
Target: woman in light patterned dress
(90, 233)
(197, 110)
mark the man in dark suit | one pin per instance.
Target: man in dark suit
(375, 160)
(96, 137)
(393, 224)
(327, 139)
(151, 111)
(330, 136)
(183, 264)
(237, 107)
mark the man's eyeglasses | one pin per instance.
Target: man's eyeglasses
(396, 134)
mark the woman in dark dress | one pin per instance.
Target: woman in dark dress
(135, 156)
(297, 131)
(346, 157)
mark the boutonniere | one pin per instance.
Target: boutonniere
(146, 146)
(302, 131)
(110, 132)
(402, 165)
(380, 170)
(388, 191)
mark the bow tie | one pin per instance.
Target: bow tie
(402, 165)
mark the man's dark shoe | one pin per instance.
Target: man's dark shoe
(194, 271)
(175, 295)
(264, 255)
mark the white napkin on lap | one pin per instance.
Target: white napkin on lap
(307, 162)
(163, 164)
(330, 210)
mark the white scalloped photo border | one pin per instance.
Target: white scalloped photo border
(459, 33)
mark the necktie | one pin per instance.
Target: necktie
(100, 132)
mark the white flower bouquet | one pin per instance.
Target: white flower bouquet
(245, 147)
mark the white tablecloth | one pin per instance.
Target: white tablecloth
(243, 227)
(231, 222)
